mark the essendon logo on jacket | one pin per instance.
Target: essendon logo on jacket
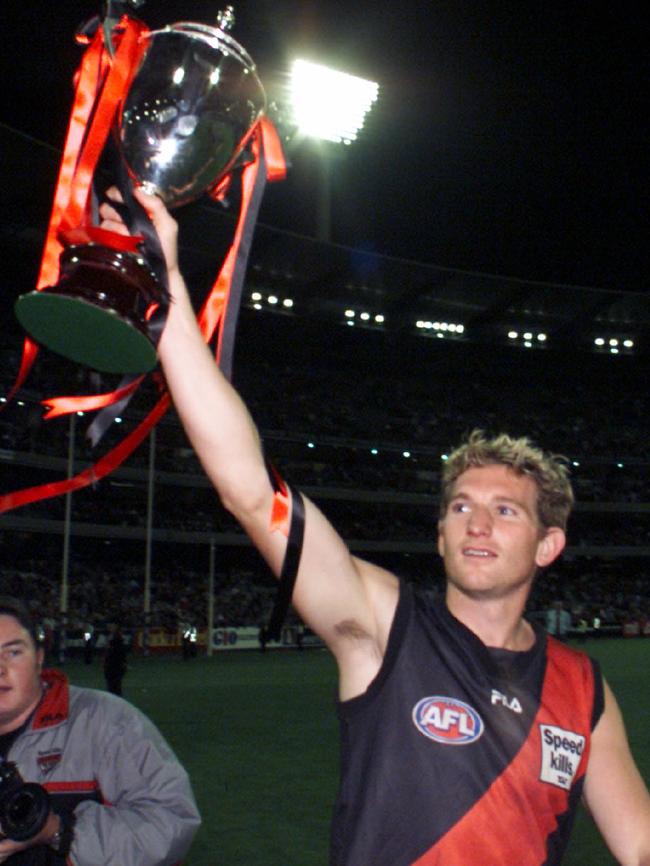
(48, 761)
(447, 720)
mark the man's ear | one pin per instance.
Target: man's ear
(550, 546)
(40, 657)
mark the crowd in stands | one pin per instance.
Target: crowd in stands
(611, 591)
(329, 430)
(109, 589)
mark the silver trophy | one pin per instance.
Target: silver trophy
(189, 112)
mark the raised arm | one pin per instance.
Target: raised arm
(614, 791)
(348, 602)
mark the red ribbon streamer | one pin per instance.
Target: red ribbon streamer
(100, 82)
(264, 136)
(99, 470)
(58, 406)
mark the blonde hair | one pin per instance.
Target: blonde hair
(549, 472)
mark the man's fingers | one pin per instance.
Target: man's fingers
(114, 194)
(164, 223)
(108, 212)
(153, 204)
(117, 228)
(111, 219)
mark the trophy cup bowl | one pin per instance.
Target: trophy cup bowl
(189, 111)
(191, 107)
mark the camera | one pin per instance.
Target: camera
(24, 806)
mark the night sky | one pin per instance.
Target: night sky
(509, 137)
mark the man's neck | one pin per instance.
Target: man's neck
(497, 622)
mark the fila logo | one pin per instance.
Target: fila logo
(447, 720)
(501, 699)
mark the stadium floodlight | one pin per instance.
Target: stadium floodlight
(328, 104)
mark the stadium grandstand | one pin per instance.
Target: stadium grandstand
(362, 371)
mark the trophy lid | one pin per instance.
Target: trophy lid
(216, 37)
(226, 18)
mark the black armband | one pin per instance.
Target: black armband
(291, 562)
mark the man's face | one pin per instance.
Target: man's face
(490, 537)
(20, 668)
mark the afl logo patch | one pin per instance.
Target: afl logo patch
(448, 721)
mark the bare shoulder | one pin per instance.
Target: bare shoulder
(610, 727)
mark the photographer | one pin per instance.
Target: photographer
(115, 791)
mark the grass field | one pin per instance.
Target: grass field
(259, 736)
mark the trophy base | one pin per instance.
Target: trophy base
(92, 316)
(83, 332)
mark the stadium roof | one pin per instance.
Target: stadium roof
(330, 280)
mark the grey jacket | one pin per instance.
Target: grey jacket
(102, 758)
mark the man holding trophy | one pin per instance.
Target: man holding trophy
(469, 736)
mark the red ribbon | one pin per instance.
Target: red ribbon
(280, 513)
(101, 82)
(97, 471)
(264, 136)
(57, 406)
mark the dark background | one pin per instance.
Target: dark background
(509, 137)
